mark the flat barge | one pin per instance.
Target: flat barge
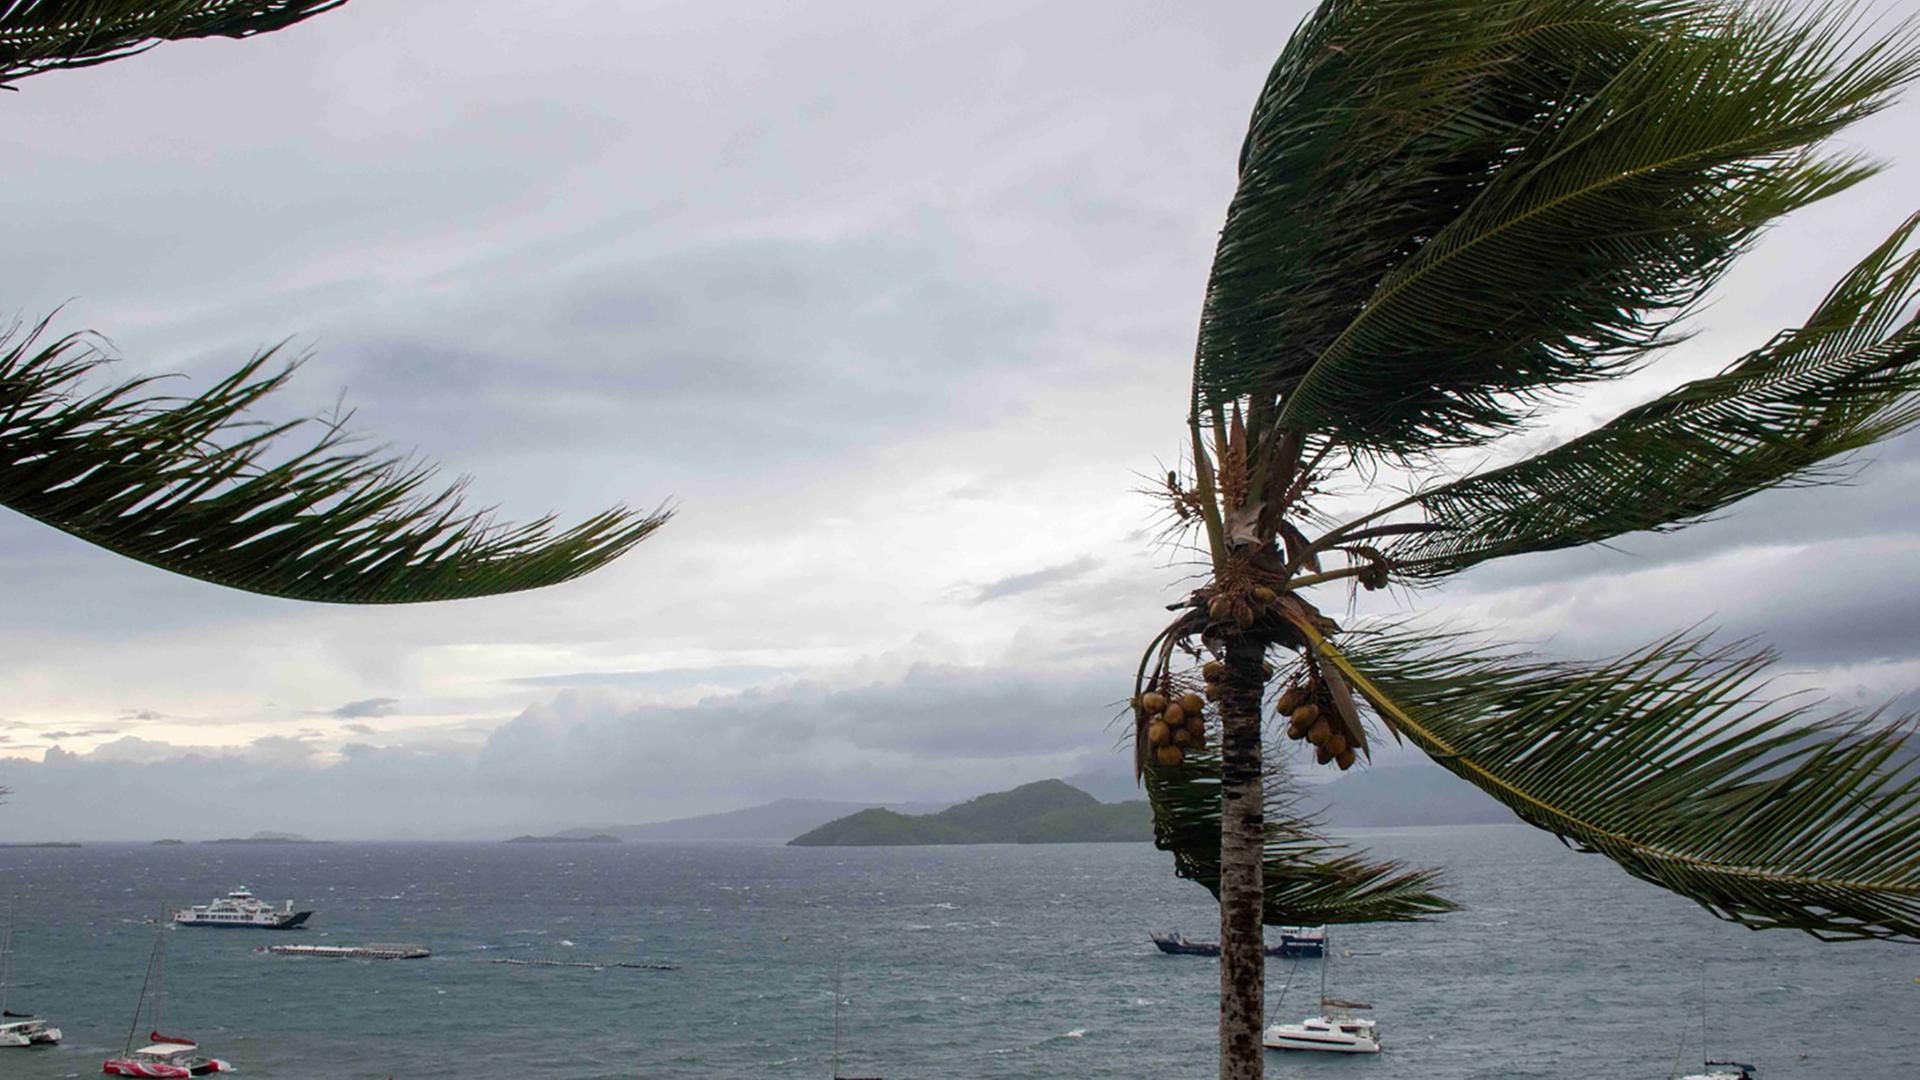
(352, 952)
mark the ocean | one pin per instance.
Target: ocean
(956, 962)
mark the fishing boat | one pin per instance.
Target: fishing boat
(242, 910)
(1725, 1070)
(18, 1029)
(1295, 942)
(1335, 1030)
(166, 1056)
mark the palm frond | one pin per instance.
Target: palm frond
(43, 35)
(1781, 415)
(1308, 879)
(1675, 763)
(194, 486)
(1448, 209)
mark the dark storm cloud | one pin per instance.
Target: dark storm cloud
(353, 710)
(837, 252)
(1035, 579)
(717, 360)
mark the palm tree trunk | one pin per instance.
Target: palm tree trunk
(1242, 894)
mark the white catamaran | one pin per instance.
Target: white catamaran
(18, 1029)
(1335, 1030)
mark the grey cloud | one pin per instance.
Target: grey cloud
(1035, 579)
(359, 729)
(84, 733)
(662, 679)
(353, 710)
(934, 732)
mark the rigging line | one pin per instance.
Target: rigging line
(141, 1003)
(6, 959)
(1275, 1011)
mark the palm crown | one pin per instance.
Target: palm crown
(1448, 212)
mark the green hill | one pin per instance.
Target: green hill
(1047, 812)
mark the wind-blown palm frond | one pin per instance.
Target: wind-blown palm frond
(1447, 209)
(195, 487)
(1671, 762)
(41, 35)
(1308, 880)
(1845, 380)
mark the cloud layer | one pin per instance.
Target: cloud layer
(895, 303)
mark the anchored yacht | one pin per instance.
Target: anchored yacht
(240, 908)
(17, 1028)
(1336, 1029)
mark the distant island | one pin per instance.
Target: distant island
(780, 820)
(40, 843)
(266, 838)
(596, 838)
(1046, 812)
(168, 843)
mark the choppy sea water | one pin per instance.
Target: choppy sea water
(996, 961)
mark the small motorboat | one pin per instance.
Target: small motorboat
(1299, 941)
(1725, 1070)
(167, 1057)
(1178, 945)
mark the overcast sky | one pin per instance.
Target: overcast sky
(895, 303)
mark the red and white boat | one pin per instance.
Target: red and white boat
(167, 1057)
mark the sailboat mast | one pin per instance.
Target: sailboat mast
(1705, 1054)
(153, 961)
(6, 959)
(839, 970)
(1326, 962)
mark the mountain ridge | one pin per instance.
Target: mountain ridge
(1043, 812)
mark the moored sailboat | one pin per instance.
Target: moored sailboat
(1335, 1030)
(18, 1029)
(166, 1056)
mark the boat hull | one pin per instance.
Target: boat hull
(292, 922)
(22, 1035)
(1328, 1046)
(162, 1069)
(1293, 950)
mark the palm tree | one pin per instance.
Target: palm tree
(194, 485)
(1449, 211)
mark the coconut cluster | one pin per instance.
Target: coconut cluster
(1311, 716)
(1175, 725)
(1242, 608)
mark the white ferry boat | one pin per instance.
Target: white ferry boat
(240, 908)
